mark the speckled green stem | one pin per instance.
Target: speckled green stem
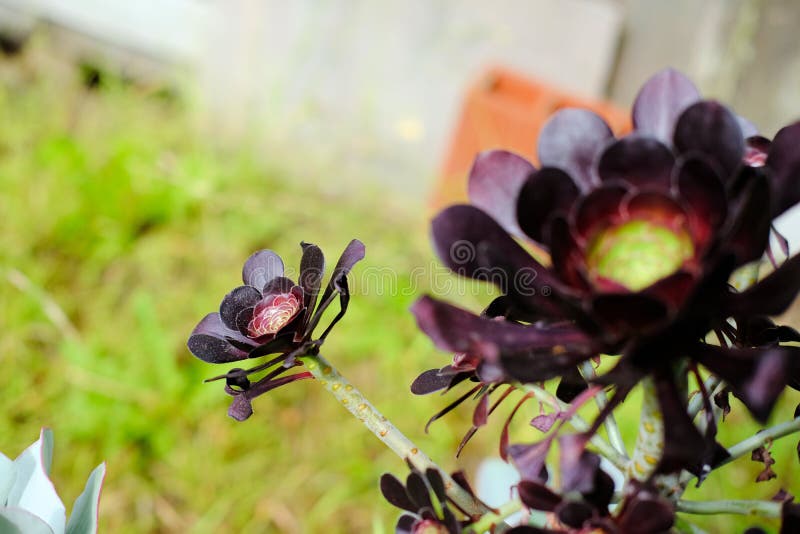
(650, 440)
(358, 405)
(738, 507)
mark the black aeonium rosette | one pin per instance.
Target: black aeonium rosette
(643, 233)
(272, 315)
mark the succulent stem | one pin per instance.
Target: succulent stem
(650, 440)
(739, 507)
(358, 405)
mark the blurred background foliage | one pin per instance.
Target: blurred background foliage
(122, 227)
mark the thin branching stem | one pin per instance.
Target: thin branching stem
(610, 423)
(750, 444)
(579, 424)
(358, 405)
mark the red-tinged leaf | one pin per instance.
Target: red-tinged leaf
(481, 412)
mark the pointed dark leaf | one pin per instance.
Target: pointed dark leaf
(430, 381)
(261, 267)
(571, 385)
(530, 459)
(394, 492)
(701, 190)
(784, 163)
(537, 496)
(480, 414)
(772, 295)
(571, 140)
(660, 102)
(494, 184)
(749, 236)
(312, 268)
(456, 330)
(353, 253)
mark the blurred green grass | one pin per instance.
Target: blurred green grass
(121, 228)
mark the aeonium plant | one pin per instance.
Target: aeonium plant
(637, 255)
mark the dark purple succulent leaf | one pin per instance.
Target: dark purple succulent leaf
(770, 296)
(749, 235)
(599, 209)
(567, 255)
(672, 290)
(281, 343)
(646, 513)
(639, 160)
(405, 524)
(312, 268)
(784, 164)
(574, 513)
(451, 522)
(436, 483)
(684, 446)
(279, 285)
(457, 330)
(710, 129)
(418, 491)
(352, 254)
(790, 518)
(539, 365)
(537, 496)
(660, 102)
(547, 192)
(261, 267)
(603, 492)
(494, 184)
(529, 459)
(757, 376)
(571, 140)
(472, 244)
(241, 408)
(628, 314)
(208, 341)
(394, 492)
(234, 302)
(242, 322)
(577, 465)
(430, 381)
(702, 192)
(571, 385)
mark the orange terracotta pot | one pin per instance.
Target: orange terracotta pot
(507, 110)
